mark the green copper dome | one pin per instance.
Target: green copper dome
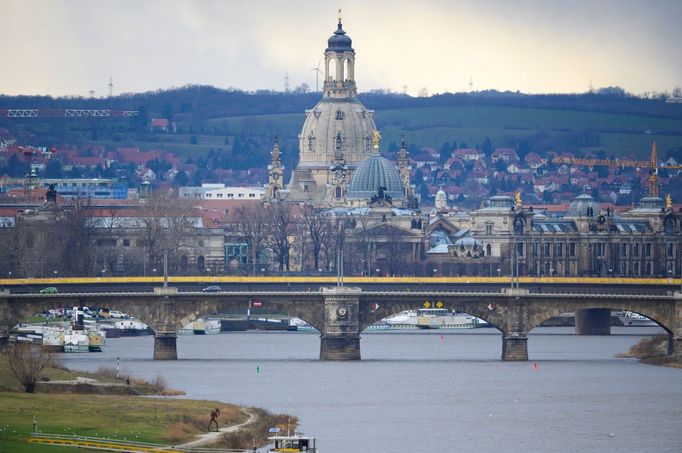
(373, 173)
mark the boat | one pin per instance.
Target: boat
(53, 338)
(440, 318)
(96, 339)
(292, 444)
(632, 319)
(379, 325)
(76, 341)
(125, 328)
(299, 325)
(201, 326)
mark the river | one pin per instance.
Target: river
(436, 391)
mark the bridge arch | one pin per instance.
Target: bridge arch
(656, 313)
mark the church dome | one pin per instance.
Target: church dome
(579, 206)
(373, 173)
(330, 117)
(339, 41)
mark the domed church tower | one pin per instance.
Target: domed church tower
(336, 135)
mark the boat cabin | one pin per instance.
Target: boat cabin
(293, 444)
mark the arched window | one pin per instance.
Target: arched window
(348, 69)
(331, 70)
(339, 192)
(488, 250)
(339, 114)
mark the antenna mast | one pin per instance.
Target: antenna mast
(471, 84)
(286, 82)
(111, 87)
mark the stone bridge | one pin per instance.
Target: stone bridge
(342, 313)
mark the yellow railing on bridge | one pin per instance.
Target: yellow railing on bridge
(332, 280)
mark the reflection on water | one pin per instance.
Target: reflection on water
(436, 391)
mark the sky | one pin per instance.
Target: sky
(70, 47)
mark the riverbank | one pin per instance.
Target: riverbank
(127, 409)
(654, 351)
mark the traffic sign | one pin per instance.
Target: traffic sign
(439, 304)
(427, 304)
(256, 303)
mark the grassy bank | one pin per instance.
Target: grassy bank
(123, 417)
(654, 351)
(102, 405)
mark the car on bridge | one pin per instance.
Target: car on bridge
(49, 290)
(212, 289)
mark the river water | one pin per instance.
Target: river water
(436, 391)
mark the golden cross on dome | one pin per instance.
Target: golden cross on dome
(339, 15)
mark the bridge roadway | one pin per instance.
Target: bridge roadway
(342, 313)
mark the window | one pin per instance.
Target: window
(339, 114)
(535, 249)
(670, 249)
(126, 243)
(635, 269)
(519, 248)
(624, 249)
(546, 249)
(647, 249)
(488, 229)
(559, 249)
(635, 250)
(571, 249)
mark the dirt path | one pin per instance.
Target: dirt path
(214, 436)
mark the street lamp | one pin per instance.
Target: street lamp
(10, 274)
(378, 274)
(435, 271)
(499, 272)
(55, 273)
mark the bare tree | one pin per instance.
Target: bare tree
(26, 362)
(281, 229)
(363, 240)
(315, 224)
(168, 224)
(76, 233)
(251, 226)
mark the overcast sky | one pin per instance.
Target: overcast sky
(69, 47)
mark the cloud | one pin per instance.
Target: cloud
(70, 47)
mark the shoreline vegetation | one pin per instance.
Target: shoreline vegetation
(653, 351)
(100, 405)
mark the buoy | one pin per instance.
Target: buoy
(442, 338)
(536, 367)
(257, 369)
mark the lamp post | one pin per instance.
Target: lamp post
(435, 271)
(499, 272)
(378, 274)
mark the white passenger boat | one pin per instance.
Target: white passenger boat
(293, 444)
(629, 318)
(434, 318)
(203, 326)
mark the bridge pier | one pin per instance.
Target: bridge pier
(340, 338)
(593, 321)
(165, 346)
(515, 347)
